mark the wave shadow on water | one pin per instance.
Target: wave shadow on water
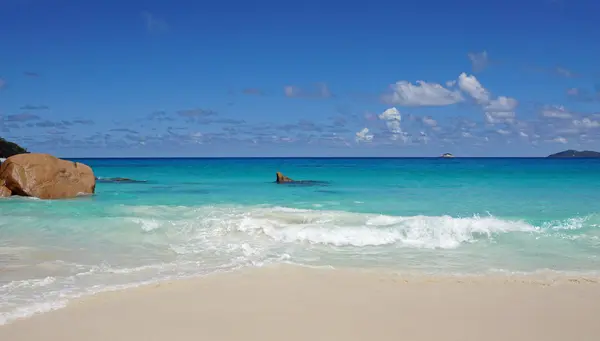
(120, 181)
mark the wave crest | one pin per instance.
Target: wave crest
(336, 228)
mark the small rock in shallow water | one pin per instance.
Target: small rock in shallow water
(282, 179)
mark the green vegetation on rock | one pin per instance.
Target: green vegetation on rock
(8, 149)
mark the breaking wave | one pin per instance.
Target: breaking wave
(52, 257)
(336, 228)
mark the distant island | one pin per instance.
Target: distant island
(575, 154)
(8, 149)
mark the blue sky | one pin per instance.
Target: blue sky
(237, 78)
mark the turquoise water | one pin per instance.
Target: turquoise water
(198, 216)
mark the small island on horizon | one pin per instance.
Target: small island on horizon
(576, 154)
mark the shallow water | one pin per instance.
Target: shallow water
(197, 216)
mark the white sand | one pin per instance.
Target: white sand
(288, 303)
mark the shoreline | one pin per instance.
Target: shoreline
(544, 277)
(299, 303)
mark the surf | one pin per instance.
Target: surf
(51, 254)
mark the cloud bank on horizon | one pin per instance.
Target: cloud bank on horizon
(116, 80)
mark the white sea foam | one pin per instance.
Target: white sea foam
(337, 228)
(56, 297)
(31, 309)
(133, 245)
(147, 224)
(28, 283)
(575, 223)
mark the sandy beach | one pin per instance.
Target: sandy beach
(294, 303)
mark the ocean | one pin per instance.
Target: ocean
(193, 217)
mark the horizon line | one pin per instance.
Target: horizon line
(311, 157)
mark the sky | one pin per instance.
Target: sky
(311, 78)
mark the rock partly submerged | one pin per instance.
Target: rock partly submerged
(46, 177)
(282, 179)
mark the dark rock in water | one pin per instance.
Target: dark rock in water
(119, 180)
(575, 154)
(282, 179)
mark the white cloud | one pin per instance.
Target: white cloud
(503, 132)
(523, 134)
(364, 136)
(570, 130)
(394, 127)
(501, 110)
(586, 123)
(429, 121)
(196, 137)
(421, 94)
(403, 136)
(319, 90)
(499, 117)
(560, 139)
(573, 92)
(390, 114)
(392, 119)
(473, 88)
(479, 61)
(502, 103)
(556, 111)
(498, 110)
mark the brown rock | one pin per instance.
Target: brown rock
(282, 178)
(4, 191)
(46, 177)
